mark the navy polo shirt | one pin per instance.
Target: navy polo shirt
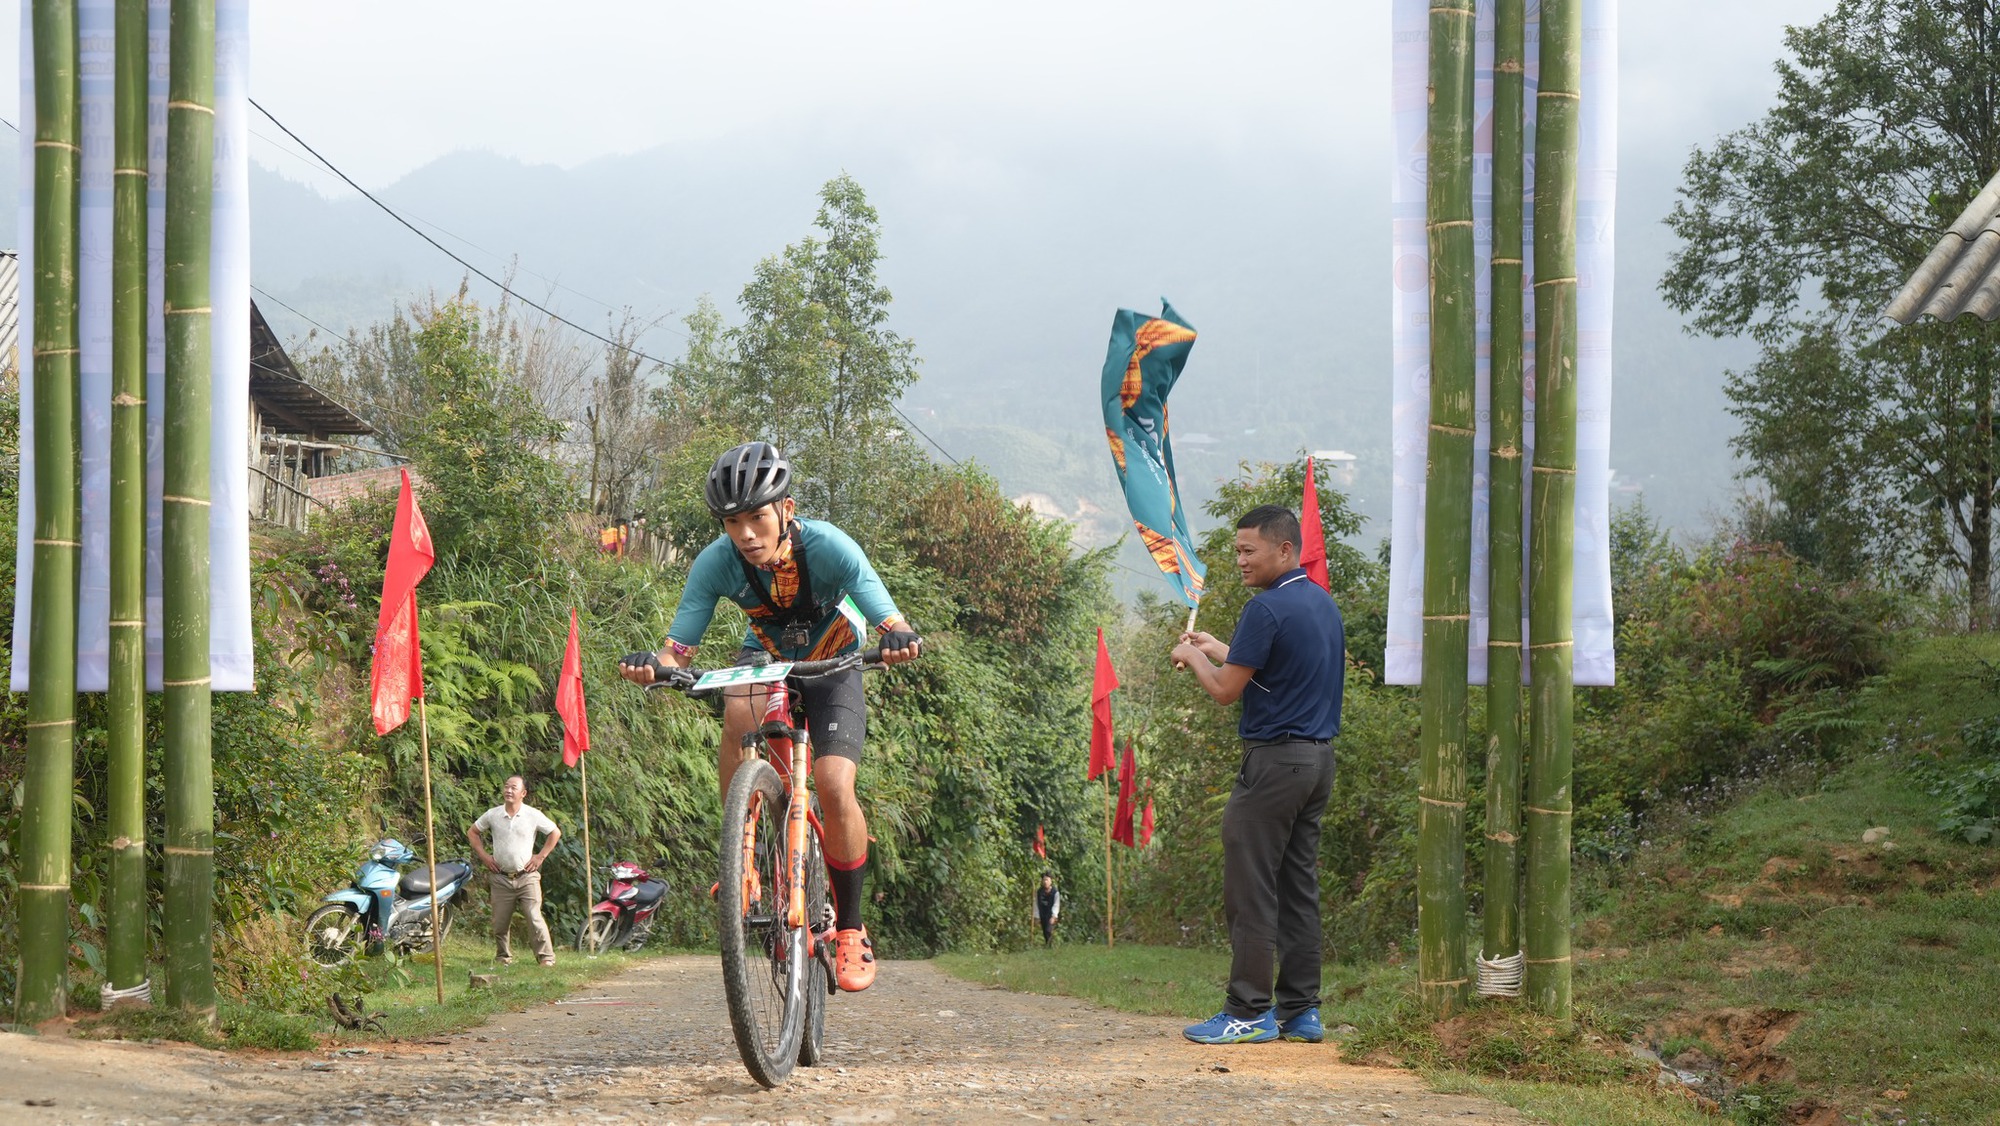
(1292, 635)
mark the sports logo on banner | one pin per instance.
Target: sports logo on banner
(229, 295)
(1597, 178)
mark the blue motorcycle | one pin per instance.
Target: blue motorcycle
(385, 905)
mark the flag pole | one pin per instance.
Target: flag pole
(1108, 940)
(589, 890)
(430, 840)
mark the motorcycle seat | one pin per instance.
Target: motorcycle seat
(417, 881)
(651, 892)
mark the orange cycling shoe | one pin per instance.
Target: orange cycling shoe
(853, 960)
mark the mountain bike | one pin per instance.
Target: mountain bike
(774, 905)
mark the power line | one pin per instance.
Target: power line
(496, 282)
(456, 237)
(447, 251)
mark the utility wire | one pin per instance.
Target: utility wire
(447, 251)
(503, 286)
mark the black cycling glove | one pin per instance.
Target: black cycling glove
(646, 661)
(900, 639)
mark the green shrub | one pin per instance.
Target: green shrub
(1969, 791)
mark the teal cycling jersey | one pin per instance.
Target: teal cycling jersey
(844, 585)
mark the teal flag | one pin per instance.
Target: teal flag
(1146, 357)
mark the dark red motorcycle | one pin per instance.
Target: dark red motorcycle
(624, 918)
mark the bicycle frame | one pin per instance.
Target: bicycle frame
(794, 743)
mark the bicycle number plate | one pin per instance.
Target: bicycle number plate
(744, 674)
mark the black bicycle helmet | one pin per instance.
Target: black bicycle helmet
(748, 477)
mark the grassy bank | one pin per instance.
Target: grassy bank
(403, 994)
(1804, 948)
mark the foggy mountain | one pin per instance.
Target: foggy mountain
(1006, 258)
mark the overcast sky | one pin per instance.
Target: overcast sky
(383, 86)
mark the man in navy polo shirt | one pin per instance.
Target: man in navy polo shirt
(1287, 662)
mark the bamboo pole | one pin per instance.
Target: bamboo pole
(430, 839)
(589, 889)
(125, 689)
(1547, 802)
(1109, 940)
(42, 988)
(1501, 945)
(190, 840)
(1441, 958)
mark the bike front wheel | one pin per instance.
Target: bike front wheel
(764, 962)
(334, 934)
(599, 933)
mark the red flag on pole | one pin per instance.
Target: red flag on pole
(1312, 548)
(1041, 845)
(1103, 755)
(1128, 785)
(1146, 824)
(569, 700)
(398, 675)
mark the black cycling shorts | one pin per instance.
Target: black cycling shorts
(836, 709)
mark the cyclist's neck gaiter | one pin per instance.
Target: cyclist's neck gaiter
(846, 876)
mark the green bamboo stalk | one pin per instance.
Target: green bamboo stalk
(1441, 958)
(1558, 101)
(1502, 939)
(125, 696)
(190, 855)
(43, 986)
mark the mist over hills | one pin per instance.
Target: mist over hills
(1007, 256)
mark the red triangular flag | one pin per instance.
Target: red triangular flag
(398, 674)
(1128, 783)
(1312, 548)
(569, 700)
(1041, 845)
(1103, 755)
(1146, 824)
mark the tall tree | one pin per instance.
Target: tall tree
(125, 695)
(45, 814)
(819, 369)
(1552, 497)
(1447, 514)
(1876, 444)
(184, 558)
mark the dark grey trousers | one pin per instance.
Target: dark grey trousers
(1270, 877)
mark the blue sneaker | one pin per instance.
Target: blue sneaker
(1304, 1028)
(1225, 1029)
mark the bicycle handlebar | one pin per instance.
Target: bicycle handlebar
(683, 679)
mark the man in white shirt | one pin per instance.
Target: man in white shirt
(516, 868)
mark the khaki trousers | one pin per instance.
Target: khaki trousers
(522, 891)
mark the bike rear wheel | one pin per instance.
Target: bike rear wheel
(819, 980)
(764, 962)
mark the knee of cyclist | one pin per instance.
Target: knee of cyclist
(738, 711)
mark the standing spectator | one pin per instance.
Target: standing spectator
(1290, 653)
(1048, 907)
(515, 867)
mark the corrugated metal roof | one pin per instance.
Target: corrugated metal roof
(290, 404)
(1962, 273)
(10, 310)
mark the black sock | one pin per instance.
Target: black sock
(847, 891)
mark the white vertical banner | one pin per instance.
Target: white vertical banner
(229, 521)
(1597, 182)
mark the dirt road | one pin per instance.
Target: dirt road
(653, 1045)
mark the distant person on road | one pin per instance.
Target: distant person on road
(1286, 662)
(515, 867)
(1048, 907)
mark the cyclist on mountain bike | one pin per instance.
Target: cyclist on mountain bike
(811, 594)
